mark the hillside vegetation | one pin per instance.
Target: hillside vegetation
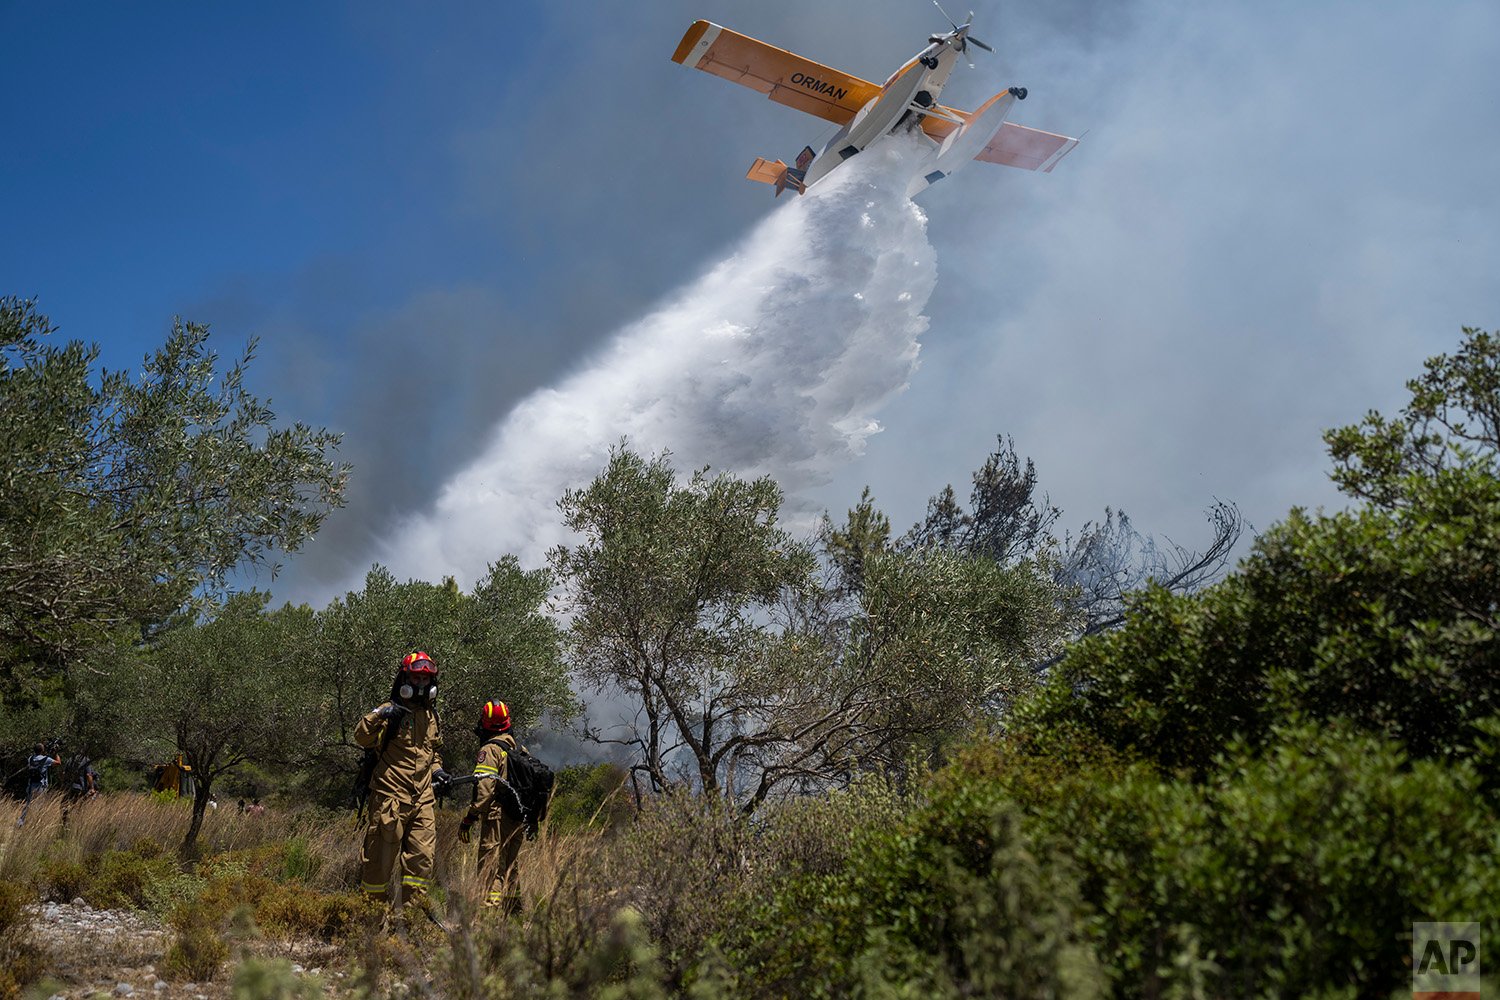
(972, 759)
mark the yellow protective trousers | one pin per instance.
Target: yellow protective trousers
(404, 829)
(499, 844)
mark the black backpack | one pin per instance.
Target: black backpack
(530, 784)
(76, 774)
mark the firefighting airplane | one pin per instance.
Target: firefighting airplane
(869, 113)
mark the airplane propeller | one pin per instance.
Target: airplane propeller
(962, 31)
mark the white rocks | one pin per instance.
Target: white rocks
(124, 990)
(159, 986)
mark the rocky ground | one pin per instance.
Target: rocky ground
(116, 953)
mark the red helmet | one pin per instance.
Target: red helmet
(494, 717)
(418, 663)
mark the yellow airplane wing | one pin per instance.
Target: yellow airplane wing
(1013, 146)
(1027, 148)
(783, 76)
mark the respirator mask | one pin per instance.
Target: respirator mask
(418, 689)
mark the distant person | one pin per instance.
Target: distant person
(401, 741)
(84, 783)
(256, 809)
(38, 769)
(500, 835)
(242, 807)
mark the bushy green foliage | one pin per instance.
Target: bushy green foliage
(1291, 872)
(619, 962)
(1382, 615)
(816, 834)
(680, 865)
(671, 588)
(949, 899)
(589, 796)
(272, 979)
(291, 912)
(21, 960)
(62, 879)
(198, 948)
(493, 642)
(121, 498)
(298, 863)
(140, 878)
(282, 861)
(282, 910)
(125, 880)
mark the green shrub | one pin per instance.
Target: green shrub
(290, 911)
(147, 848)
(119, 879)
(679, 864)
(1296, 872)
(198, 949)
(619, 962)
(345, 914)
(1381, 618)
(21, 960)
(951, 899)
(810, 835)
(126, 879)
(297, 862)
(589, 795)
(272, 979)
(62, 880)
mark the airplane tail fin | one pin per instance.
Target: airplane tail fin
(765, 171)
(775, 172)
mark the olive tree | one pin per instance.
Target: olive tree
(493, 642)
(670, 590)
(717, 631)
(223, 690)
(122, 499)
(926, 645)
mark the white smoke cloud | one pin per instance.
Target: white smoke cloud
(774, 361)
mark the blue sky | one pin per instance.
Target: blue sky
(176, 154)
(427, 213)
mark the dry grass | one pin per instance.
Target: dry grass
(301, 869)
(121, 821)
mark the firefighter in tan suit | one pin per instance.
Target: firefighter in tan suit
(404, 733)
(500, 834)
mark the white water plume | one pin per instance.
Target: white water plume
(775, 361)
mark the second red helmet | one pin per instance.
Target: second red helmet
(494, 717)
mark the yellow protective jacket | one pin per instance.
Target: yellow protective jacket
(407, 760)
(493, 771)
